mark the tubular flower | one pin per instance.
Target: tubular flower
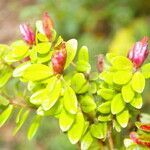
(137, 140)
(100, 63)
(28, 34)
(139, 52)
(59, 59)
(47, 25)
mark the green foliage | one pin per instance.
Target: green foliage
(87, 104)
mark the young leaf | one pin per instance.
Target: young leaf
(122, 77)
(70, 101)
(71, 48)
(137, 102)
(34, 127)
(86, 141)
(99, 130)
(123, 118)
(18, 72)
(117, 104)
(66, 120)
(53, 95)
(77, 82)
(83, 54)
(146, 70)
(75, 133)
(116, 126)
(105, 108)
(21, 121)
(87, 103)
(43, 48)
(105, 118)
(138, 82)
(37, 72)
(107, 94)
(5, 115)
(107, 77)
(122, 63)
(127, 93)
(83, 66)
(39, 97)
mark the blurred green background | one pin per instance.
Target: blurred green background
(102, 25)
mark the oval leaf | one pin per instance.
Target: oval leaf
(75, 133)
(117, 104)
(70, 101)
(138, 82)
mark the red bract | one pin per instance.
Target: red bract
(145, 127)
(139, 52)
(47, 25)
(134, 137)
(59, 60)
(28, 34)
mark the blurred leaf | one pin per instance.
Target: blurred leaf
(34, 127)
(5, 115)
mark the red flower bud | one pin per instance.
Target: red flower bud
(139, 52)
(28, 34)
(59, 60)
(134, 137)
(145, 127)
(47, 25)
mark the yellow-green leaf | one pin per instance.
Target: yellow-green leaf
(138, 82)
(75, 133)
(37, 72)
(127, 93)
(66, 120)
(123, 118)
(70, 101)
(117, 104)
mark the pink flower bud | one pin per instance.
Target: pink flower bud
(28, 34)
(47, 25)
(100, 63)
(134, 137)
(145, 127)
(59, 60)
(139, 52)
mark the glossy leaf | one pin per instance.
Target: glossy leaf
(70, 101)
(53, 96)
(127, 93)
(71, 48)
(87, 103)
(66, 120)
(99, 130)
(122, 77)
(146, 70)
(75, 133)
(83, 66)
(18, 72)
(117, 104)
(86, 141)
(107, 94)
(37, 72)
(123, 118)
(138, 82)
(43, 48)
(105, 108)
(137, 102)
(122, 63)
(3, 101)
